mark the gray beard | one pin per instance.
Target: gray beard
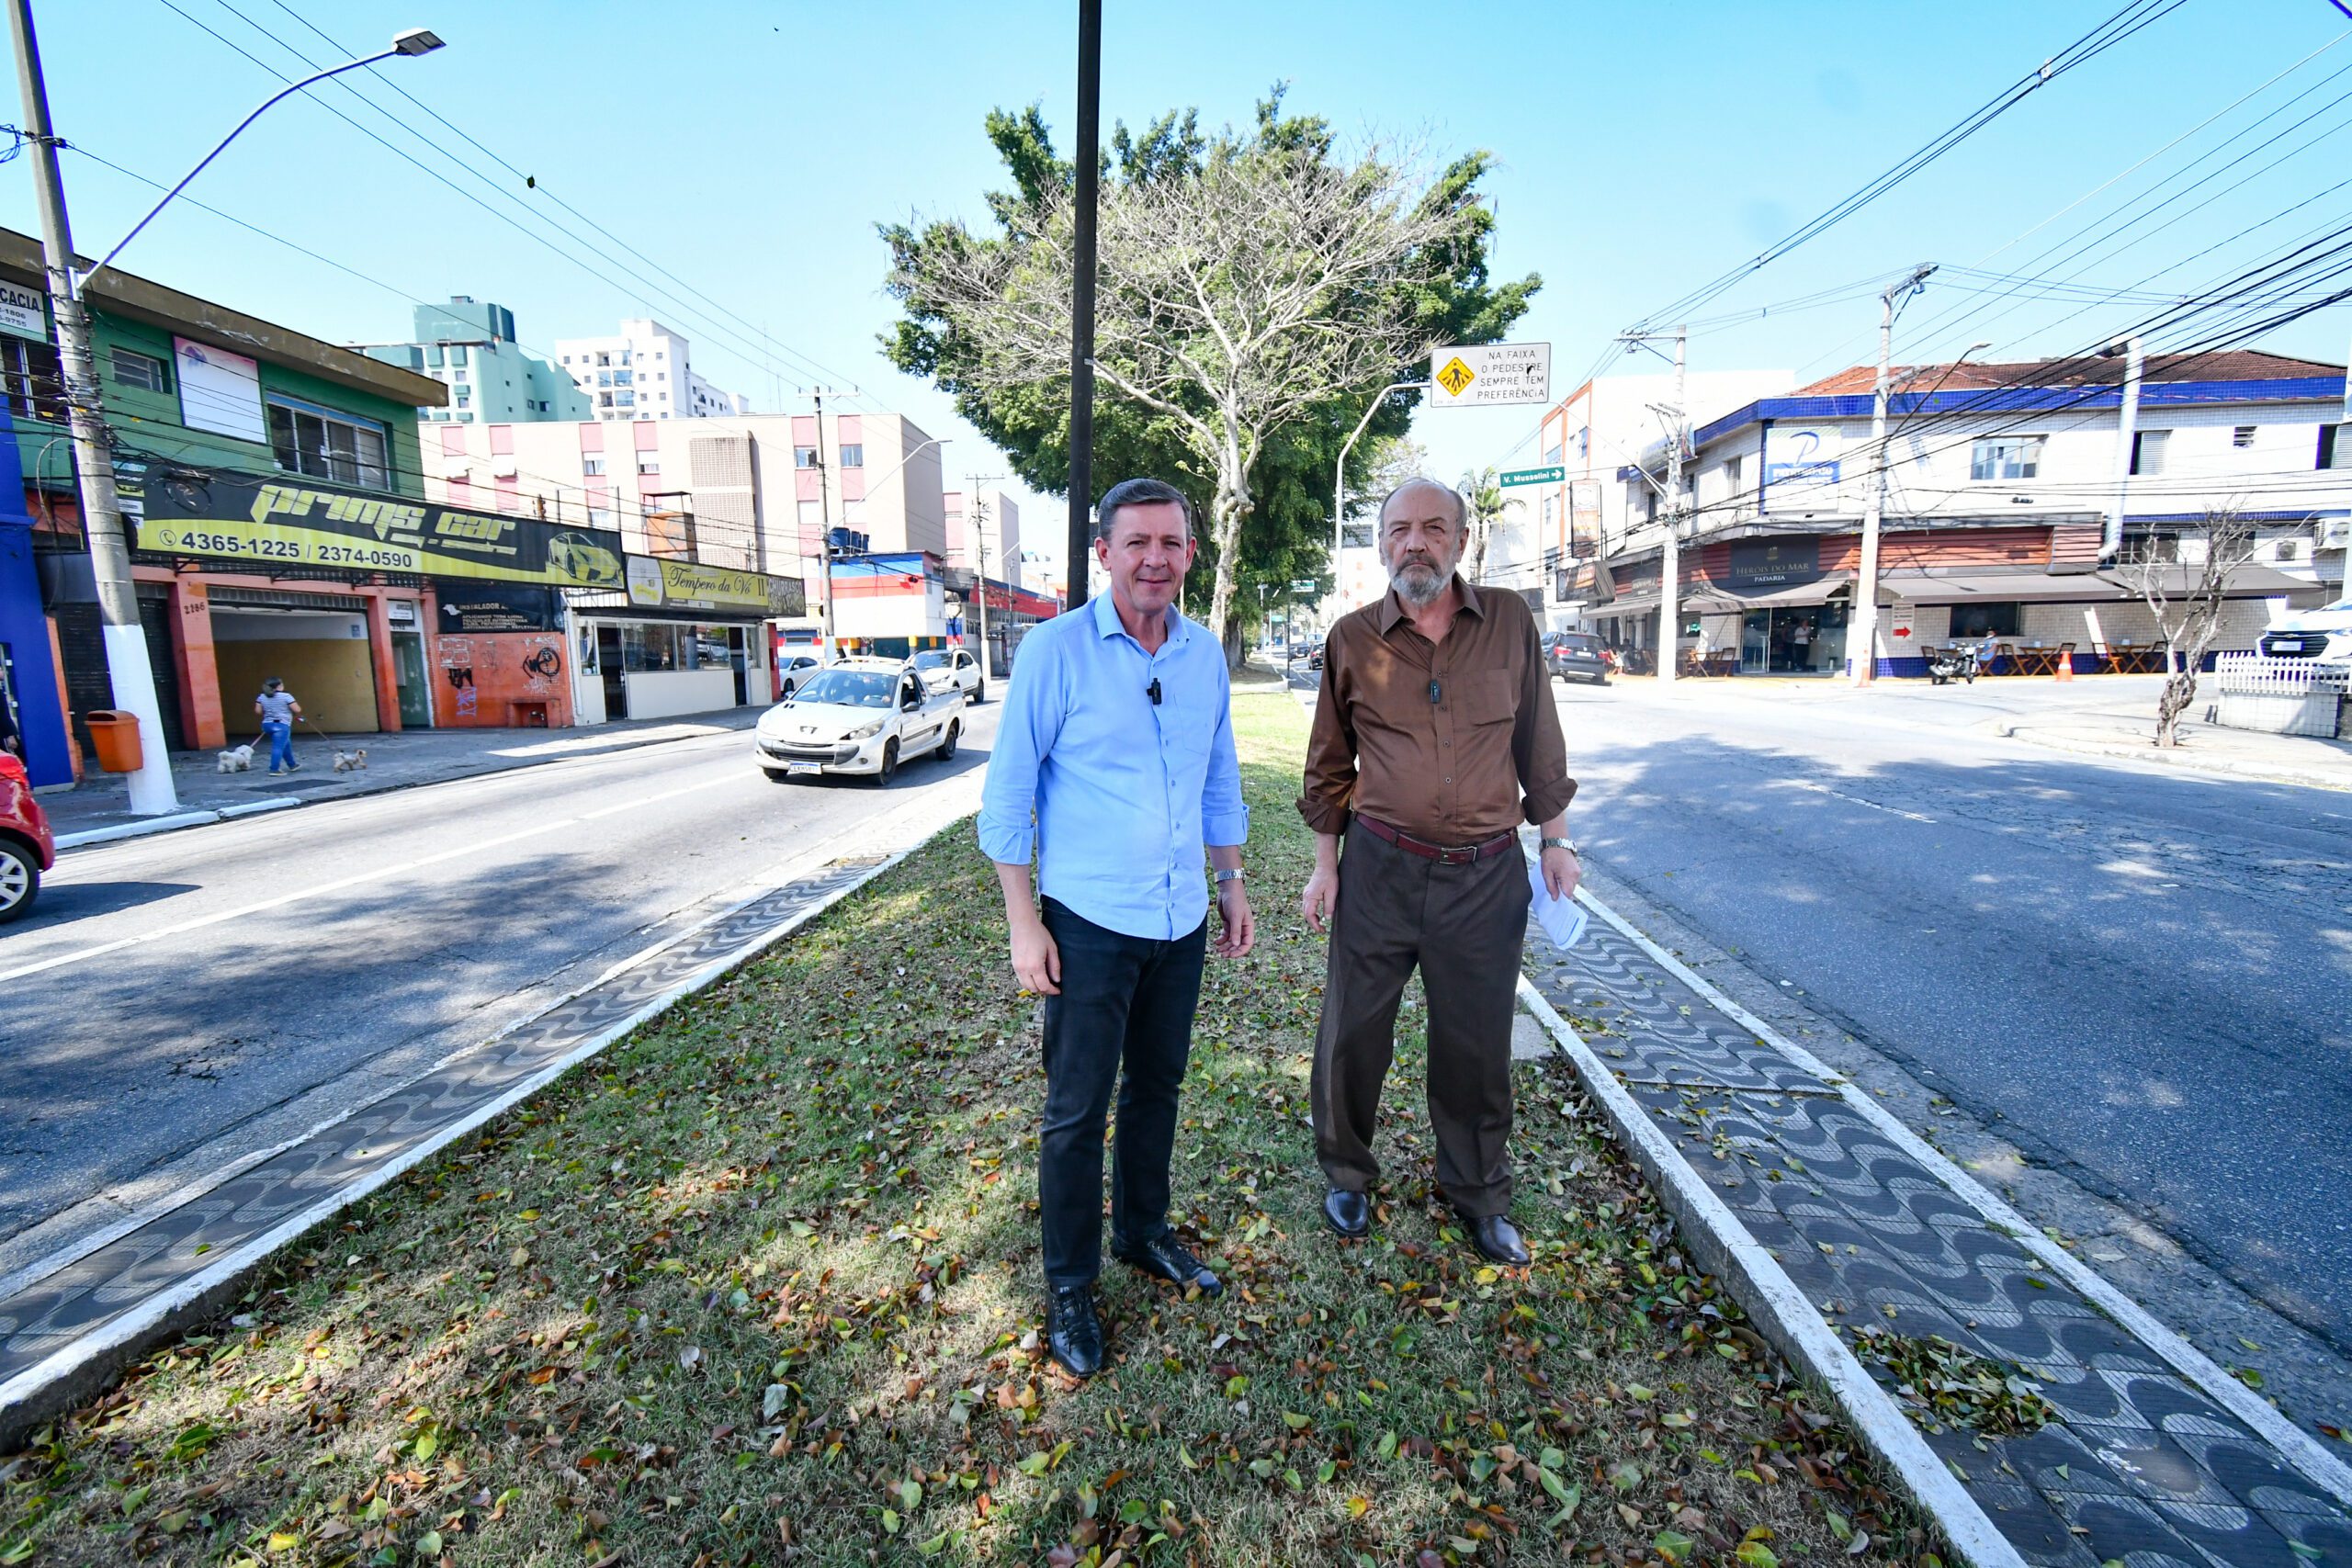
(1417, 585)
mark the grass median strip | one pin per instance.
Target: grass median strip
(760, 1285)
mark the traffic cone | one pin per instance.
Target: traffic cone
(2065, 670)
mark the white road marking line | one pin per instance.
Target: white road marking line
(380, 874)
(1857, 800)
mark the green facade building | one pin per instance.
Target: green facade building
(469, 347)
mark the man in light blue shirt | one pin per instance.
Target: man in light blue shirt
(1115, 759)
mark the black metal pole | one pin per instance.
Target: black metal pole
(1081, 303)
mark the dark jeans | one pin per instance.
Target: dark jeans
(1125, 999)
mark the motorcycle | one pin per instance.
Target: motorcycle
(1946, 665)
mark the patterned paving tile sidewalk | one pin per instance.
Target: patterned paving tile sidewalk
(2138, 1466)
(50, 1325)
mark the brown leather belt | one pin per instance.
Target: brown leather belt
(1445, 854)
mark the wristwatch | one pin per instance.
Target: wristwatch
(1235, 874)
(1567, 844)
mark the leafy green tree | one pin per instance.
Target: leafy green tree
(1256, 289)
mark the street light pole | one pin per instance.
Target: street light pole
(1864, 623)
(130, 673)
(1088, 153)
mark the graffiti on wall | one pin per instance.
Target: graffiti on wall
(486, 676)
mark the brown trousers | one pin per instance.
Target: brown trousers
(1463, 927)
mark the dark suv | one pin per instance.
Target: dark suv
(1575, 656)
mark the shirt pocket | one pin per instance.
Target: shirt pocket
(1493, 698)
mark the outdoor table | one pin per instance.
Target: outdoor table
(2136, 659)
(2036, 660)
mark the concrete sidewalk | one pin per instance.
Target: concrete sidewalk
(100, 804)
(2109, 731)
(2103, 716)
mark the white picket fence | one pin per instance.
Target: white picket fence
(2280, 696)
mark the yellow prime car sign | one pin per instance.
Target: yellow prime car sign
(272, 522)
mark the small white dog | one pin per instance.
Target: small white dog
(351, 761)
(237, 760)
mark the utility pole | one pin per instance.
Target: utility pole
(127, 671)
(830, 649)
(1669, 568)
(977, 510)
(2127, 432)
(1088, 153)
(1864, 622)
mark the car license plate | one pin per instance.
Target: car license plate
(804, 767)
(2287, 644)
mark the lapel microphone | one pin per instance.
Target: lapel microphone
(1152, 691)
(1433, 691)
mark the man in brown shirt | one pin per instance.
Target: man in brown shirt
(1434, 738)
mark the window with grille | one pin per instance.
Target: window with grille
(2005, 457)
(33, 380)
(143, 371)
(325, 447)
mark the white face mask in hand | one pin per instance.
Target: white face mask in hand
(1563, 919)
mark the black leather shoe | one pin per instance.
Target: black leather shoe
(1074, 1331)
(1498, 1238)
(1348, 1214)
(1165, 1257)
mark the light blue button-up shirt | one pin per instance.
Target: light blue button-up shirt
(1126, 794)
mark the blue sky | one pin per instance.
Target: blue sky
(750, 149)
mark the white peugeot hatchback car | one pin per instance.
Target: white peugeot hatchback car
(860, 717)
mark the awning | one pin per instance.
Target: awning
(2110, 586)
(2244, 582)
(2001, 587)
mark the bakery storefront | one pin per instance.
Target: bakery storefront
(678, 638)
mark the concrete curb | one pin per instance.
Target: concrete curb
(2198, 765)
(2294, 1445)
(1724, 1248)
(179, 820)
(80, 1370)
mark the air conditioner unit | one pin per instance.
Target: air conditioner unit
(2335, 533)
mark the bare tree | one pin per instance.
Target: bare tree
(1227, 302)
(2187, 597)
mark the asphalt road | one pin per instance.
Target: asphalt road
(176, 1002)
(2144, 979)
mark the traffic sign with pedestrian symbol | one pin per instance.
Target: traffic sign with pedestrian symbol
(1487, 374)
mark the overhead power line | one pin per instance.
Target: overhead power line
(759, 357)
(2122, 25)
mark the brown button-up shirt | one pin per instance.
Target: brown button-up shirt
(1439, 740)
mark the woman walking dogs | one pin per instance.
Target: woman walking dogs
(1115, 759)
(1434, 736)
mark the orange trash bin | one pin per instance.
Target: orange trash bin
(116, 734)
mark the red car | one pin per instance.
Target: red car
(27, 847)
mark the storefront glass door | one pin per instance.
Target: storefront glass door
(1805, 640)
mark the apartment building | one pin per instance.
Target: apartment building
(469, 347)
(748, 491)
(643, 372)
